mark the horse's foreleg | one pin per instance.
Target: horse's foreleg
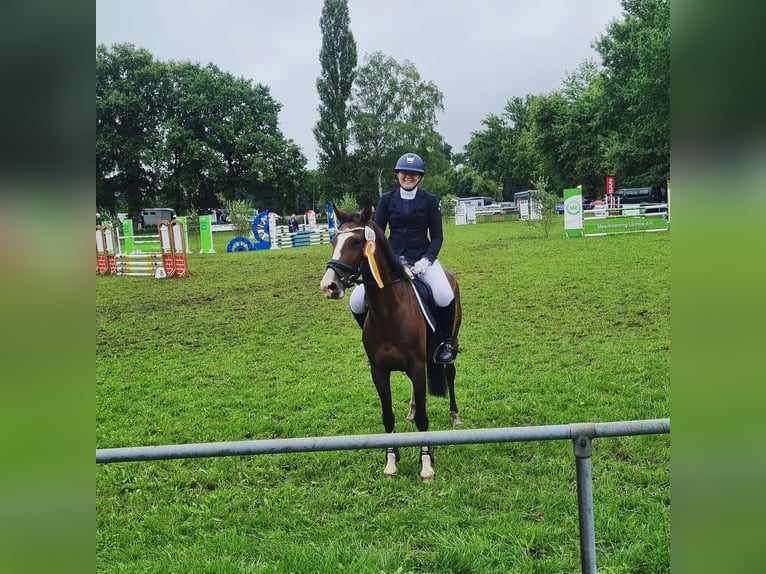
(382, 380)
(418, 402)
(421, 418)
(449, 371)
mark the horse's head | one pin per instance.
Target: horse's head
(345, 267)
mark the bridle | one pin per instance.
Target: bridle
(348, 274)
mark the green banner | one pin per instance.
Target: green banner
(623, 224)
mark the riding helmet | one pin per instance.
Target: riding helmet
(410, 162)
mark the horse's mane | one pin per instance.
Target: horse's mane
(383, 246)
(394, 263)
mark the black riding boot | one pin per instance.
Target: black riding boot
(360, 318)
(445, 318)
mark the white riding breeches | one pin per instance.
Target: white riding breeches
(434, 277)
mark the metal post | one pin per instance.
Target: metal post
(582, 451)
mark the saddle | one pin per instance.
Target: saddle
(426, 300)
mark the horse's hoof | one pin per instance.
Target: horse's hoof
(456, 422)
(390, 470)
(426, 469)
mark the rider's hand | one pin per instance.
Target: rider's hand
(420, 266)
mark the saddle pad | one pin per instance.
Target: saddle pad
(425, 300)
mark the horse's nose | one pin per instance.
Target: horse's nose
(332, 291)
(330, 287)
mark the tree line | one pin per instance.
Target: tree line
(189, 137)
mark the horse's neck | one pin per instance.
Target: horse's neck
(393, 292)
(390, 272)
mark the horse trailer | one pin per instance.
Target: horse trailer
(149, 217)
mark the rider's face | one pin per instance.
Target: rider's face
(408, 180)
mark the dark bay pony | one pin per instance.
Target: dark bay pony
(395, 334)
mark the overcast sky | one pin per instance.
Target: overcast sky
(479, 53)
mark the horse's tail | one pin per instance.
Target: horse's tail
(437, 382)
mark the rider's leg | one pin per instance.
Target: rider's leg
(358, 305)
(360, 318)
(445, 319)
(444, 311)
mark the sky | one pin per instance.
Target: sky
(478, 53)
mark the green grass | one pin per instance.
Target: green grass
(554, 331)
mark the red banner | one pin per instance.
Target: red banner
(609, 185)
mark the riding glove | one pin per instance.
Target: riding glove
(420, 266)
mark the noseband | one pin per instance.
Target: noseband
(348, 274)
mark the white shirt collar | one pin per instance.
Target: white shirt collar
(408, 194)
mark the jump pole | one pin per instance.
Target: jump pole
(171, 258)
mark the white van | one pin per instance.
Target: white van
(149, 217)
(481, 204)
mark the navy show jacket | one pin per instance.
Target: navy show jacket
(410, 231)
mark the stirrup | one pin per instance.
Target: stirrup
(445, 347)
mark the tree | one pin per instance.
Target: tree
(604, 120)
(223, 138)
(338, 59)
(504, 151)
(393, 111)
(128, 112)
(636, 56)
(448, 206)
(185, 134)
(241, 214)
(585, 132)
(548, 136)
(486, 147)
(546, 203)
(193, 162)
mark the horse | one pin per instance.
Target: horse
(395, 334)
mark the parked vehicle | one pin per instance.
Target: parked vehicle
(149, 217)
(218, 216)
(479, 202)
(492, 208)
(642, 195)
(520, 196)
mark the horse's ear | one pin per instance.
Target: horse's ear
(367, 212)
(340, 215)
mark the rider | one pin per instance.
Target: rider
(413, 215)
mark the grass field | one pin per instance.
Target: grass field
(555, 331)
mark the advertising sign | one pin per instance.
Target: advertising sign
(573, 212)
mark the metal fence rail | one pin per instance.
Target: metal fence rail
(581, 435)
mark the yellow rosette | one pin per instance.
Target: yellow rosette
(369, 252)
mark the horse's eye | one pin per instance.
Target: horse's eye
(356, 242)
